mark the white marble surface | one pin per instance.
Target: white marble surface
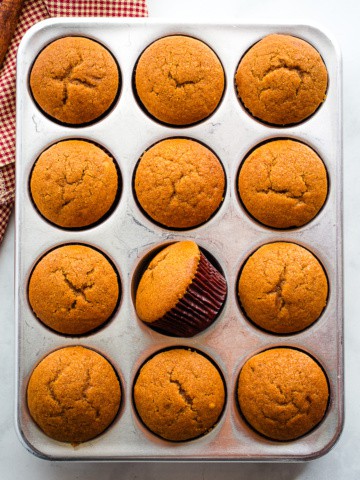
(340, 19)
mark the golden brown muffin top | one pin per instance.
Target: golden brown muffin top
(283, 288)
(283, 184)
(179, 183)
(281, 79)
(166, 280)
(75, 80)
(73, 289)
(179, 394)
(179, 80)
(73, 394)
(283, 393)
(74, 183)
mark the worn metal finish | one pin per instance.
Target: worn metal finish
(230, 236)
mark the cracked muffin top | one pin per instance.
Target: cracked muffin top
(179, 183)
(179, 80)
(74, 183)
(73, 394)
(283, 288)
(179, 394)
(73, 289)
(74, 80)
(283, 184)
(281, 79)
(283, 393)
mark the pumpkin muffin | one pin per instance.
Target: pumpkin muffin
(75, 80)
(179, 183)
(73, 289)
(283, 288)
(181, 292)
(283, 393)
(73, 394)
(283, 184)
(74, 183)
(179, 394)
(179, 80)
(281, 80)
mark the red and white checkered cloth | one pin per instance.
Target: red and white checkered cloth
(32, 12)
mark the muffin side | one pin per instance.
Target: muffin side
(181, 292)
(283, 393)
(75, 80)
(179, 183)
(74, 183)
(166, 280)
(283, 288)
(281, 79)
(73, 394)
(179, 394)
(73, 289)
(179, 80)
(283, 184)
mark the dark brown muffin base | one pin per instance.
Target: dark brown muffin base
(200, 305)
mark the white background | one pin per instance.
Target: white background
(341, 20)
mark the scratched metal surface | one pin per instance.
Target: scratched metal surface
(127, 236)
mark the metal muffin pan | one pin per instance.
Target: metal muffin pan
(127, 236)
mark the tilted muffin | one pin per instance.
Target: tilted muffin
(74, 183)
(283, 288)
(73, 289)
(281, 79)
(179, 394)
(283, 393)
(181, 292)
(283, 184)
(179, 183)
(179, 80)
(75, 80)
(73, 394)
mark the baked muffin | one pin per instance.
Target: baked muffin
(179, 80)
(73, 394)
(283, 393)
(73, 289)
(281, 80)
(181, 292)
(283, 184)
(74, 183)
(179, 394)
(179, 183)
(283, 288)
(75, 80)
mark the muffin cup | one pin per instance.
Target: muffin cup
(200, 305)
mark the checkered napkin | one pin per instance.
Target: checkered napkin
(32, 12)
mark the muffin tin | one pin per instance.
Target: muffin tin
(128, 238)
